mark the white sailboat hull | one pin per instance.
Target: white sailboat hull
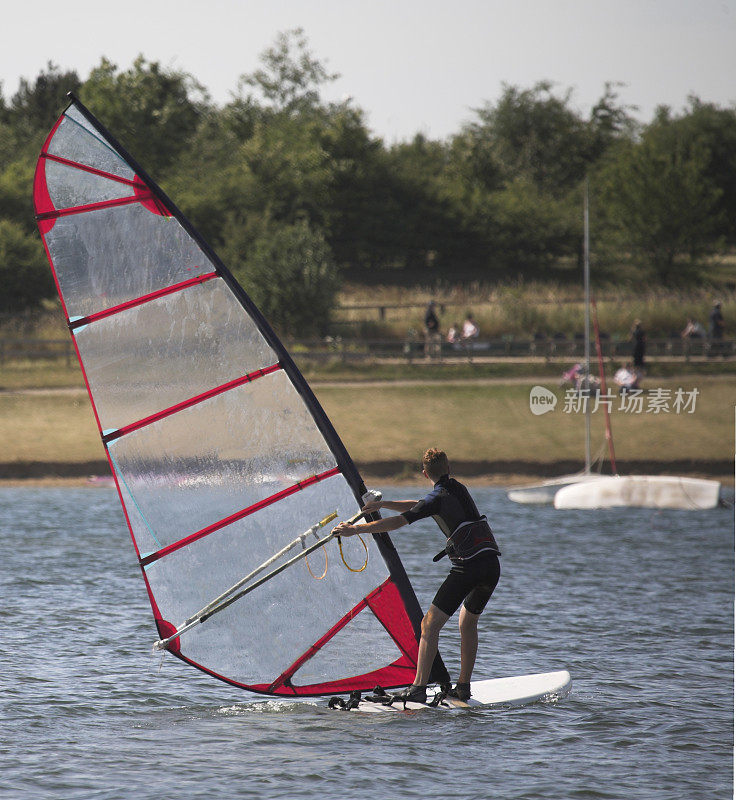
(641, 491)
(545, 491)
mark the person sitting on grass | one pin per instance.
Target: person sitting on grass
(627, 379)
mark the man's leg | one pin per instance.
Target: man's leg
(432, 624)
(468, 624)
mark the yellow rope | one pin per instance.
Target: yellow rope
(306, 560)
(320, 524)
(342, 555)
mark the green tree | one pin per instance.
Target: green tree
(290, 274)
(290, 78)
(708, 131)
(36, 105)
(24, 272)
(532, 229)
(152, 111)
(533, 134)
(610, 122)
(430, 221)
(16, 193)
(659, 203)
(24, 125)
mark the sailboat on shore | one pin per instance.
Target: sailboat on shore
(588, 490)
(545, 491)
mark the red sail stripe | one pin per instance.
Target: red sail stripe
(119, 201)
(223, 523)
(320, 643)
(86, 168)
(139, 301)
(382, 601)
(192, 401)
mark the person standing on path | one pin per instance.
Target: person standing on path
(431, 331)
(639, 338)
(716, 330)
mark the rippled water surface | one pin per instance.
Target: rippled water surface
(637, 604)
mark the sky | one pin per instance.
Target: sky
(414, 66)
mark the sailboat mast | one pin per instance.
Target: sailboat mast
(604, 389)
(586, 272)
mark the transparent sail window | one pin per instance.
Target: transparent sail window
(339, 658)
(76, 140)
(150, 357)
(205, 463)
(106, 257)
(70, 187)
(263, 634)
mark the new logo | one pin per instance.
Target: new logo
(541, 400)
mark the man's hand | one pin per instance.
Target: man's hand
(345, 529)
(372, 505)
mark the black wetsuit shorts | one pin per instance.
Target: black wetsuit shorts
(472, 581)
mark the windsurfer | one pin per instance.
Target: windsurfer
(472, 579)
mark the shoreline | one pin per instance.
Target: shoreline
(397, 472)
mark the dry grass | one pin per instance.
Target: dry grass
(40, 374)
(48, 426)
(492, 422)
(485, 422)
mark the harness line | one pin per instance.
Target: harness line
(342, 555)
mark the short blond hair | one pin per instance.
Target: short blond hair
(435, 463)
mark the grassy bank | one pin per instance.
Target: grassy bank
(485, 426)
(493, 423)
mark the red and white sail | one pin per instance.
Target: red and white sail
(220, 452)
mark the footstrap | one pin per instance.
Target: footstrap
(380, 696)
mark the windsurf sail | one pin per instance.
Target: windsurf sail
(221, 454)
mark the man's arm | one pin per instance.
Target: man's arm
(378, 526)
(391, 505)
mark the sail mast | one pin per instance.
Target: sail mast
(604, 390)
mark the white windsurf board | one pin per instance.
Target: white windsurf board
(514, 691)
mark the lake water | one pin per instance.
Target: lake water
(637, 604)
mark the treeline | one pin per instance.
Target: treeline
(297, 194)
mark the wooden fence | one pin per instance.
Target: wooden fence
(414, 348)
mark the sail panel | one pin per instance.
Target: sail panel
(109, 256)
(340, 657)
(76, 140)
(70, 187)
(155, 355)
(209, 461)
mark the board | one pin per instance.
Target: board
(519, 690)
